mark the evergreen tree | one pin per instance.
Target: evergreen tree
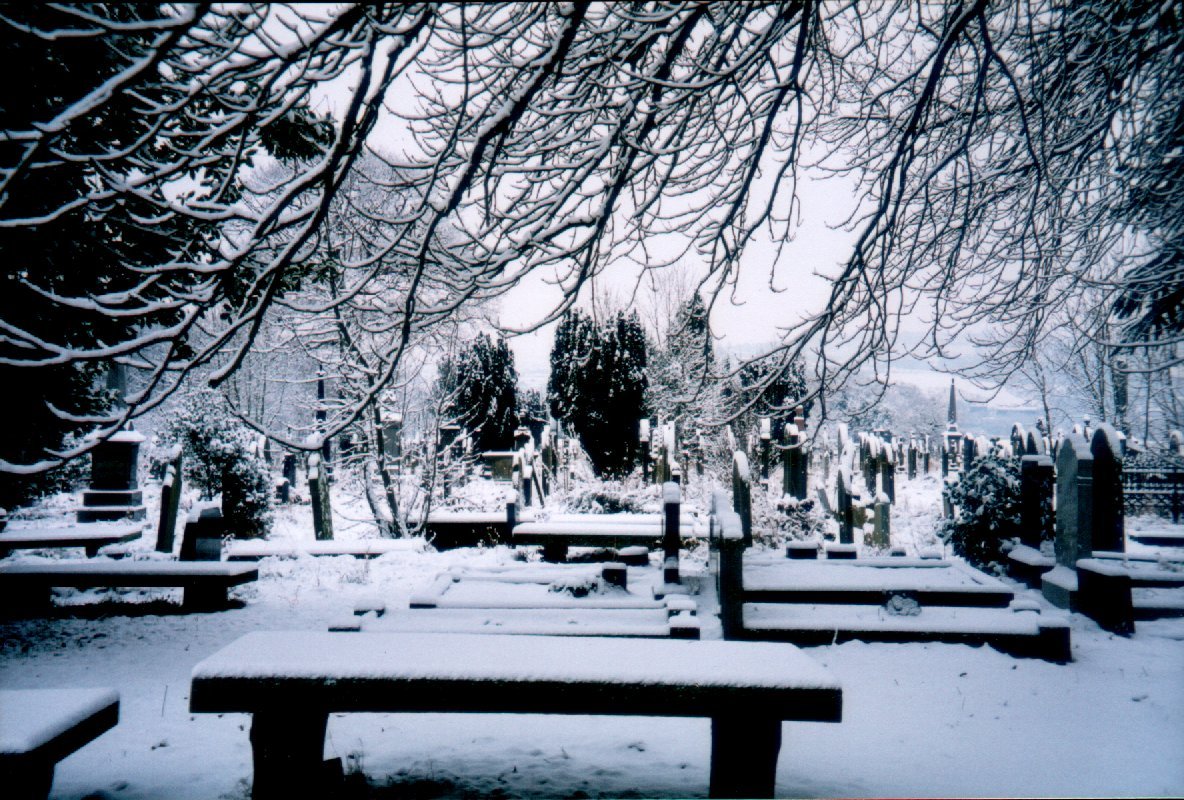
(100, 250)
(598, 386)
(483, 385)
(772, 393)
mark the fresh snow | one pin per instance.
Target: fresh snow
(31, 717)
(918, 719)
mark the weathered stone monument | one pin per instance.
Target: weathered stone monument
(114, 492)
(1074, 519)
(887, 473)
(1108, 528)
(742, 494)
(671, 531)
(881, 525)
(318, 491)
(843, 508)
(170, 501)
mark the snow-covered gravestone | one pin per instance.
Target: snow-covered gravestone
(742, 493)
(1074, 520)
(318, 491)
(170, 501)
(887, 473)
(671, 530)
(1107, 495)
(912, 459)
(844, 511)
(968, 451)
(204, 531)
(1019, 441)
(881, 523)
(114, 491)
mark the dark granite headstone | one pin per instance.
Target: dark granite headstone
(170, 501)
(844, 510)
(318, 491)
(671, 531)
(1108, 533)
(114, 492)
(742, 494)
(289, 469)
(1075, 483)
(1036, 488)
(203, 534)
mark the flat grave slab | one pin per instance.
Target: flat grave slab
(565, 600)
(90, 536)
(360, 548)
(40, 727)
(774, 579)
(1021, 631)
(291, 681)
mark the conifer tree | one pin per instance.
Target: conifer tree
(598, 386)
(484, 399)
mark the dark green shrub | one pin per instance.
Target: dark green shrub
(220, 458)
(986, 503)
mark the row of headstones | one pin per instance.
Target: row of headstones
(851, 513)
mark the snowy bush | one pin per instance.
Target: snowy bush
(986, 502)
(221, 458)
(605, 498)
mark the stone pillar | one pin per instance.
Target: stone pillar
(912, 459)
(114, 492)
(1036, 487)
(671, 533)
(318, 490)
(1108, 523)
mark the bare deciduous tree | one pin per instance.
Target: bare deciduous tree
(1007, 158)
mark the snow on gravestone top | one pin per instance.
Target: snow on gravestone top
(478, 657)
(31, 717)
(730, 525)
(740, 464)
(128, 437)
(671, 493)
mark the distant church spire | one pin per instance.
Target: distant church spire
(952, 414)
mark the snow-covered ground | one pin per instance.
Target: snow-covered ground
(919, 719)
